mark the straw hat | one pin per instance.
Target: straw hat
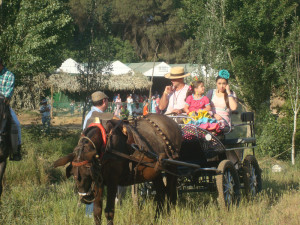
(176, 72)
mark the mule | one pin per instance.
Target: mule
(131, 155)
(4, 138)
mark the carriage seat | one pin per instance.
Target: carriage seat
(248, 120)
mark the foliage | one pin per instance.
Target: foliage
(242, 36)
(31, 91)
(274, 135)
(143, 23)
(124, 51)
(33, 36)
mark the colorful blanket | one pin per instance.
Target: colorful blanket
(203, 119)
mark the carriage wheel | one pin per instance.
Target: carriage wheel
(228, 184)
(252, 182)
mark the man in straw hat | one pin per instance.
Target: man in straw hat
(174, 96)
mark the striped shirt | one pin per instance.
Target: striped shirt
(7, 84)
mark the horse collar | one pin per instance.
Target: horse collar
(103, 132)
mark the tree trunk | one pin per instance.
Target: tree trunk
(294, 137)
(51, 112)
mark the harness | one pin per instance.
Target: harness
(104, 138)
(157, 164)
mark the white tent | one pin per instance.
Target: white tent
(160, 70)
(117, 68)
(70, 66)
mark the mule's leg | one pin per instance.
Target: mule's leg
(171, 190)
(2, 170)
(160, 194)
(110, 204)
(98, 206)
(171, 187)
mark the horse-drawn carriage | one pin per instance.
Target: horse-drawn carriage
(210, 162)
(148, 147)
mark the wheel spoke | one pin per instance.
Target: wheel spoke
(228, 186)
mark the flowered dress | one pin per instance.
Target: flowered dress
(198, 116)
(196, 104)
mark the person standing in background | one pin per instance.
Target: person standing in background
(118, 103)
(45, 110)
(129, 102)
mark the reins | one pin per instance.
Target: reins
(85, 137)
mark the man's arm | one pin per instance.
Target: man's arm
(164, 101)
(9, 84)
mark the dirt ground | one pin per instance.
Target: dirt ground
(65, 122)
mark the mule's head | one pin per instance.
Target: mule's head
(82, 162)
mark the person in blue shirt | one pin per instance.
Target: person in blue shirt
(45, 110)
(99, 105)
(7, 84)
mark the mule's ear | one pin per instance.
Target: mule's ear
(68, 170)
(64, 160)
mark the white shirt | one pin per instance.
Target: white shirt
(93, 109)
(177, 99)
(129, 100)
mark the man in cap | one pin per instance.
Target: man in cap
(100, 104)
(173, 98)
(7, 84)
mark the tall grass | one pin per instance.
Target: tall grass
(35, 193)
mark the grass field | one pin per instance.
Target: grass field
(35, 193)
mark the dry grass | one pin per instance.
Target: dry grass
(35, 193)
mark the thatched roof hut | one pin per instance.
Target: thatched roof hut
(128, 82)
(66, 82)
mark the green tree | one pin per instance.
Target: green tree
(95, 53)
(149, 23)
(124, 51)
(33, 35)
(242, 36)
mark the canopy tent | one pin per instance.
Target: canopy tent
(70, 66)
(160, 70)
(117, 68)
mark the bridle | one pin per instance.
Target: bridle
(82, 163)
(87, 163)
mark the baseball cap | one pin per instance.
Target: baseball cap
(98, 95)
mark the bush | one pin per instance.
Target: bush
(274, 134)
